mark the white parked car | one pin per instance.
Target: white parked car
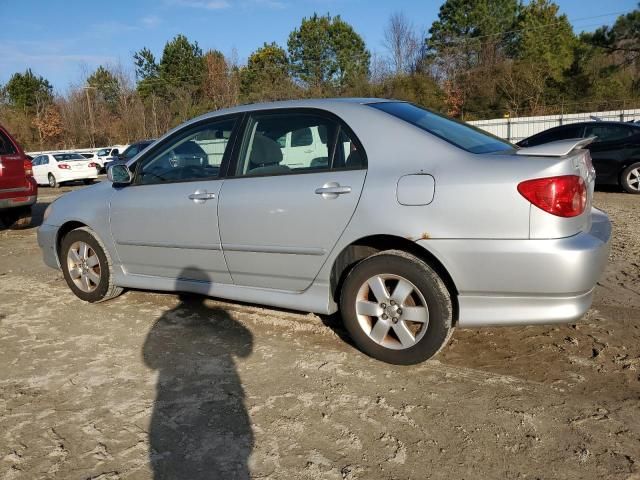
(107, 154)
(57, 168)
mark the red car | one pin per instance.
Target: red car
(18, 188)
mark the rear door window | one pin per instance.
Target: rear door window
(317, 142)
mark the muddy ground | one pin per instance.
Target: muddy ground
(157, 386)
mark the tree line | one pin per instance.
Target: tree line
(479, 59)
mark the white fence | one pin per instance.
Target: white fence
(67, 150)
(515, 129)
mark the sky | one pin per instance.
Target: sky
(64, 40)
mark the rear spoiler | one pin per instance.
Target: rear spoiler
(559, 148)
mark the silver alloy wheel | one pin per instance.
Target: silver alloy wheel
(84, 266)
(633, 179)
(396, 320)
(52, 180)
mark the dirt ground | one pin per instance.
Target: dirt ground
(153, 385)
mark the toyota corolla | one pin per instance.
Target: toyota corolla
(407, 222)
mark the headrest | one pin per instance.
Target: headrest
(264, 151)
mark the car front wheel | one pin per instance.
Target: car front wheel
(86, 267)
(396, 308)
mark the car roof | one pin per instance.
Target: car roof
(593, 122)
(322, 103)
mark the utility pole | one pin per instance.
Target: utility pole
(92, 126)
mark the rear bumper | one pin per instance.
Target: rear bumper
(69, 176)
(17, 202)
(47, 235)
(523, 282)
(21, 196)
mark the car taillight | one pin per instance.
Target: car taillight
(564, 196)
(64, 166)
(93, 164)
(28, 170)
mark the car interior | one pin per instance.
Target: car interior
(265, 143)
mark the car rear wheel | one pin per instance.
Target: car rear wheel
(396, 308)
(53, 182)
(86, 267)
(631, 178)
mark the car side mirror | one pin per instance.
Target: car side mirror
(119, 174)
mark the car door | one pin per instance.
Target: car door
(40, 171)
(36, 169)
(609, 150)
(165, 223)
(48, 164)
(279, 223)
(11, 166)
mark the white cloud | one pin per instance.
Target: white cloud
(224, 4)
(45, 58)
(151, 20)
(205, 4)
(270, 3)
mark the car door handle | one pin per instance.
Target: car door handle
(201, 196)
(332, 190)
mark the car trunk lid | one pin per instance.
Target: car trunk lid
(79, 165)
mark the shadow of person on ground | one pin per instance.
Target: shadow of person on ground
(200, 428)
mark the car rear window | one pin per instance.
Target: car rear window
(561, 133)
(459, 134)
(66, 157)
(609, 133)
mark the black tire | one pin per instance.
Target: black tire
(16, 218)
(427, 283)
(88, 181)
(631, 186)
(53, 181)
(105, 288)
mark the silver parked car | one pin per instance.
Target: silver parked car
(408, 222)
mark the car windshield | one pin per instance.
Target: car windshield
(67, 157)
(103, 152)
(459, 134)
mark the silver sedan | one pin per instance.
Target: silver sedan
(406, 221)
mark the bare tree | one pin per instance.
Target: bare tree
(402, 43)
(523, 84)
